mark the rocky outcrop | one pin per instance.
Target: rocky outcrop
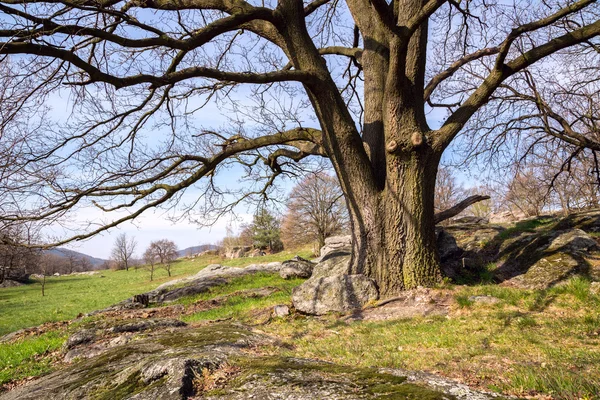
(237, 251)
(336, 244)
(337, 293)
(331, 287)
(215, 362)
(546, 272)
(573, 240)
(211, 276)
(10, 283)
(297, 267)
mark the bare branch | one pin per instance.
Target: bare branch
(458, 208)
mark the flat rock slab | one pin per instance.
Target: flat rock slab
(217, 362)
(420, 302)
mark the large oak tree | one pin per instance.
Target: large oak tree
(368, 71)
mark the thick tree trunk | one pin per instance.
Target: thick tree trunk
(387, 174)
(394, 232)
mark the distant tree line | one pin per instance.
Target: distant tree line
(19, 259)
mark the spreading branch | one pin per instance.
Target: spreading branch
(458, 208)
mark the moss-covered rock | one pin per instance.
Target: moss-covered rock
(547, 272)
(159, 366)
(217, 362)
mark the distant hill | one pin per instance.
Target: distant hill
(196, 249)
(62, 252)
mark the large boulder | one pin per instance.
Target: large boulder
(336, 244)
(338, 293)
(10, 283)
(333, 264)
(297, 267)
(538, 260)
(446, 244)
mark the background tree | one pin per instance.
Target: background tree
(265, 231)
(123, 250)
(315, 210)
(367, 70)
(166, 252)
(85, 264)
(447, 190)
(150, 258)
(73, 262)
(17, 260)
(48, 265)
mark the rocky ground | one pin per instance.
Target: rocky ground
(140, 348)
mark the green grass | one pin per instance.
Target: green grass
(530, 225)
(24, 358)
(239, 306)
(68, 296)
(532, 342)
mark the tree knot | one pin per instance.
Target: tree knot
(391, 146)
(417, 139)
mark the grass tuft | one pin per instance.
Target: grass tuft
(530, 225)
(25, 357)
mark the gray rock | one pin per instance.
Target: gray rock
(80, 337)
(484, 299)
(272, 267)
(337, 263)
(281, 311)
(338, 293)
(237, 251)
(546, 272)
(206, 276)
(470, 219)
(193, 288)
(458, 390)
(161, 366)
(446, 244)
(10, 283)
(337, 244)
(296, 268)
(147, 324)
(573, 240)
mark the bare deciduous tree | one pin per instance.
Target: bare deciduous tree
(17, 260)
(165, 251)
(315, 211)
(150, 258)
(447, 191)
(122, 252)
(367, 70)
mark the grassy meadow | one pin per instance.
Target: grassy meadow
(540, 344)
(67, 296)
